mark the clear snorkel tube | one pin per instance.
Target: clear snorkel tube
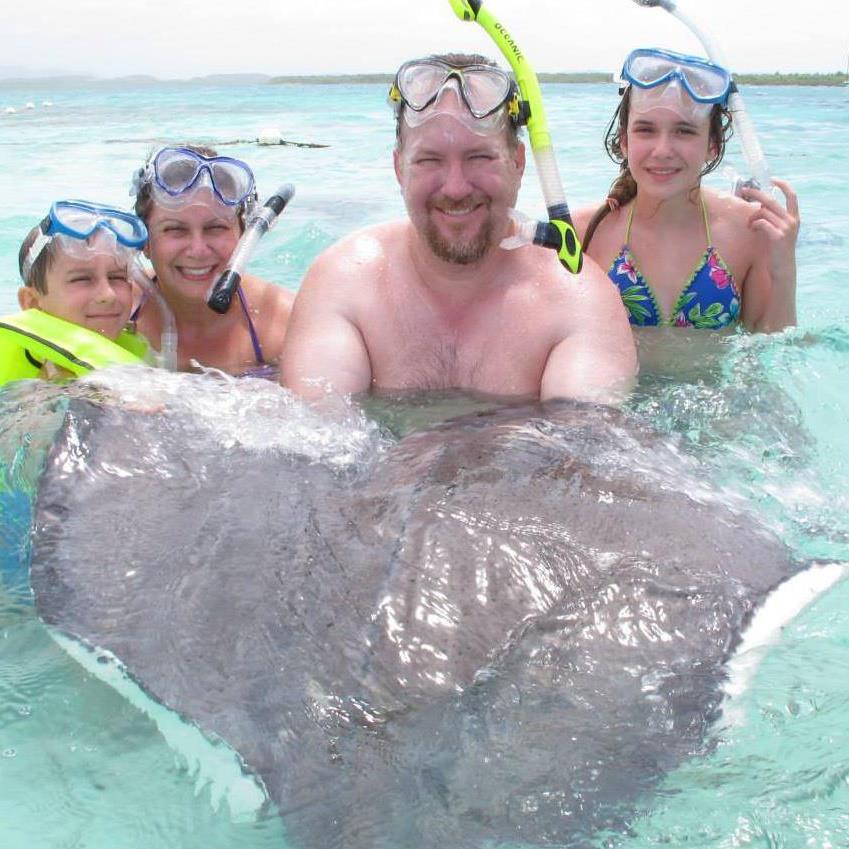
(744, 129)
(167, 357)
(558, 232)
(259, 222)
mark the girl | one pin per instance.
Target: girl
(682, 255)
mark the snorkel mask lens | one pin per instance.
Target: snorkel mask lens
(672, 96)
(175, 173)
(483, 89)
(80, 229)
(703, 81)
(100, 242)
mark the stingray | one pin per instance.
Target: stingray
(506, 628)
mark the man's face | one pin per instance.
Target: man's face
(458, 184)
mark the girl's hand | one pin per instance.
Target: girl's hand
(779, 223)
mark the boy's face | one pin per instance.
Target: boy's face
(94, 292)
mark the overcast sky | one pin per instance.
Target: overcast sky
(184, 38)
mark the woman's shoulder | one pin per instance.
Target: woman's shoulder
(582, 217)
(270, 307)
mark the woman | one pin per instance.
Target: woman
(682, 255)
(194, 204)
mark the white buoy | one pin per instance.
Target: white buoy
(10, 110)
(46, 102)
(270, 135)
(30, 105)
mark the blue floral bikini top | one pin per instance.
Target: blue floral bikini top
(709, 299)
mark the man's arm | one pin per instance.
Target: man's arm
(596, 359)
(324, 349)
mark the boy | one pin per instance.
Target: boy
(77, 294)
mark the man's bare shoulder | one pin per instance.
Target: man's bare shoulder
(357, 258)
(575, 297)
(582, 321)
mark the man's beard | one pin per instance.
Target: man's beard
(459, 253)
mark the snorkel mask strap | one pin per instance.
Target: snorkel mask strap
(41, 241)
(558, 232)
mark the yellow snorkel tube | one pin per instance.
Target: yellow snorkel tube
(558, 232)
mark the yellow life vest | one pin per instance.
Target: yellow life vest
(30, 337)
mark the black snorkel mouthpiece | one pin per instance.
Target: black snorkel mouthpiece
(221, 294)
(259, 222)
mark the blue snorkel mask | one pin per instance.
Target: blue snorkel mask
(685, 84)
(81, 228)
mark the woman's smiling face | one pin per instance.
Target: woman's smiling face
(190, 246)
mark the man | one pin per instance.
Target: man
(433, 301)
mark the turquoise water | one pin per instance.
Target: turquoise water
(80, 766)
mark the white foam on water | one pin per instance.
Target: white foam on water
(254, 414)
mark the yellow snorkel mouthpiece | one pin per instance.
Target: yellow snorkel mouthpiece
(558, 232)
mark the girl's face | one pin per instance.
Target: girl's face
(190, 246)
(94, 292)
(666, 152)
